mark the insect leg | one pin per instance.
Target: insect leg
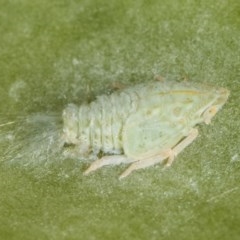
(147, 162)
(182, 145)
(107, 160)
(4, 124)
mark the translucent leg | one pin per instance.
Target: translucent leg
(107, 160)
(146, 162)
(182, 145)
(170, 154)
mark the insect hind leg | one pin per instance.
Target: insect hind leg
(169, 154)
(107, 160)
(147, 162)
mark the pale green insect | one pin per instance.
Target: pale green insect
(143, 124)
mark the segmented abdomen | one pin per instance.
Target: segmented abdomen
(99, 125)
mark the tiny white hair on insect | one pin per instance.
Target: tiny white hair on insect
(30, 140)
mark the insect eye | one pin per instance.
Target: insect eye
(209, 113)
(212, 110)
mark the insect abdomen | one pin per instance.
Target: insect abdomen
(99, 124)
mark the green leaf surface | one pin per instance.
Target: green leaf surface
(57, 52)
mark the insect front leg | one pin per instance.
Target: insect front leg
(107, 160)
(182, 145)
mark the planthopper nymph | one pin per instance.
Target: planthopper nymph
(144, 124)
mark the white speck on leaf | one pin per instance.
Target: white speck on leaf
(235, 158)
(16, 89)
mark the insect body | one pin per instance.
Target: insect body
(143, 124)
